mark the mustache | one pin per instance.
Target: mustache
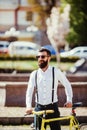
(42, 63)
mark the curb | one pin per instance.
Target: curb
(28, 120)
(16, 120)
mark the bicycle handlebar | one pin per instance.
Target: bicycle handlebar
(78, 104)
(40, 112)
(43, 112)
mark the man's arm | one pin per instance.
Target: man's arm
(68, 89)
(29, 93)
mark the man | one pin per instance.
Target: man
(45, 79)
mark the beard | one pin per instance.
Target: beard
(43, 64)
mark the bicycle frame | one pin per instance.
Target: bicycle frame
(72, 118)
(73, 122)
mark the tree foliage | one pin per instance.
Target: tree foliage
(43, 10)
(78, 22)
(45, 4)
(78, 18)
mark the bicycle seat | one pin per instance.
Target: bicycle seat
(77, 104)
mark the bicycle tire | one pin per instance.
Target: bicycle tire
(83, 126)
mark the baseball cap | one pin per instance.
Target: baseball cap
(45, 49)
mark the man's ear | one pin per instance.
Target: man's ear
(49, 58)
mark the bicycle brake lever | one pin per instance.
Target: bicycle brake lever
(78, 104)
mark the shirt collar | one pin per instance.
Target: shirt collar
(49, 67)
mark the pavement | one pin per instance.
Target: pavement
(12, 118)
(26, 128)
(15, 115)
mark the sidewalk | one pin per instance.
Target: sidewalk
(15, 115)
(25, 127)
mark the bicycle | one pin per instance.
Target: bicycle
(73, 122)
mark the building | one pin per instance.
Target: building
(13, 14)
(20, 14)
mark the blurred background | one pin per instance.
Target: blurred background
(26, 25)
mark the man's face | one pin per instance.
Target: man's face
(43, 59)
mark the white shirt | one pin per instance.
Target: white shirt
(44, 85)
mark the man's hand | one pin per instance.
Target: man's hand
(28, 110)
(68, 104)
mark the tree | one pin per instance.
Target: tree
(43, 10)
(58, 27)
(78, 23)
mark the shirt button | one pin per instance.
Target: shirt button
(44, 90)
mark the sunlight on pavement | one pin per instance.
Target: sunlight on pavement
(25, 127)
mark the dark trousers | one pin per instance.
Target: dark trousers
(55, 125)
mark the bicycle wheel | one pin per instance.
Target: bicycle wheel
(83, 126)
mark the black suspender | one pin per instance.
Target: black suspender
(36, 85)
(52, 85)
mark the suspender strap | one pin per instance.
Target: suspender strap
(53, 85)
(36, 85)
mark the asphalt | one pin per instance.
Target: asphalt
(15, 115)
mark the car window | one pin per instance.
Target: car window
(30, 48)
(77, 52)
(24, 48)
(19, 47)
(4, 45)
(1, 45)
(85, 51)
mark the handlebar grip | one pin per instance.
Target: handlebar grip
(42, 112)
(77, 104)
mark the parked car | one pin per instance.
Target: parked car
(23, 49)
(4, 47)
(80, 52)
